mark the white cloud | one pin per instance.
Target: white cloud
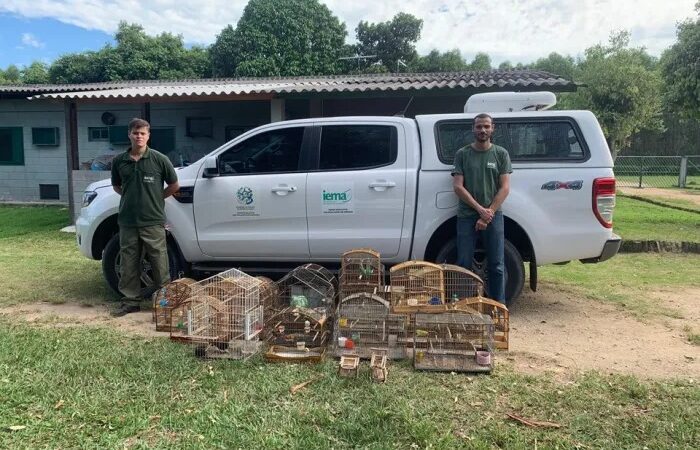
(30, 40)
(517, 30)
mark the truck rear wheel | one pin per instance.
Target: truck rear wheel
(111, 264)
(514, 269)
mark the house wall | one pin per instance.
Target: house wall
(42, 164)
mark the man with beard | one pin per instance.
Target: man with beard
(481, 180)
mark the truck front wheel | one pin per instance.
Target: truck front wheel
(111, 263)
(514, 270)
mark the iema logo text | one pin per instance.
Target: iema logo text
(336, 197)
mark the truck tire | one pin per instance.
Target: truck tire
(110, 265)
(514, 269)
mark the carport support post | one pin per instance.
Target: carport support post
(683, 172)
(276, 110)
(71, 125)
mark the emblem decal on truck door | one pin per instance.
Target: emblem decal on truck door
(336, 199)
(575, 185)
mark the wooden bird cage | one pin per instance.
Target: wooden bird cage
(298, 327)
(167, 298)
(231, 320)
(378, 365)
(361, 270)
(496, 310)
(364, 322)
(461, 283)
(269, 295)
(349, 366)
(453, 341)
(416, 284)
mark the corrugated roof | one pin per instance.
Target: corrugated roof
(505, 79)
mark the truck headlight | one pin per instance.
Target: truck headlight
(88, 197)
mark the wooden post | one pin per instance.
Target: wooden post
(71, 126)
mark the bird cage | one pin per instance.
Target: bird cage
(224, 316)
(364, 322)
(167, 298)
(454, 341)
(361, 270)
(298, 327)
(416, 285)
(269, 294)
(378, 365)
(460, 283)
(497, 311)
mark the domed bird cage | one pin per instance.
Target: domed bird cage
(416, 285)
(298, 327)
(167, 298)
(497, 311)
(453, 341)
(361, 270)
(364, 323)
(460, 283)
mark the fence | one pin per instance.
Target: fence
(658, 171)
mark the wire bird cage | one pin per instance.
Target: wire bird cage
(269, 295)
(415, 285)
(460, 283)
(454, 341)
(364, 323)
(223, 317)
(298, 327)
(361, 270)
(496, 310)
(167, 298)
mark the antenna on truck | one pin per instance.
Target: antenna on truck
(402, 113)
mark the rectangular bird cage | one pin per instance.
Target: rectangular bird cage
(364, 323)
(460, 283)
(361, 270)
(299, 324)
(416, 286)
(496, 310)
(453, 341)
(223, 317)
(167, 298)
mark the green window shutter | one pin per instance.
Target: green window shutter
(119, 134)
(45, 136)
(162, 139)
(11, 146)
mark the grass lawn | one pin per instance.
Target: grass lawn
(658, 181)
(89, 387)
(635, 219)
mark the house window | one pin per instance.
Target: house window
(162, 139)
(47, 136)
(48, 192)
(353, 147)
(98, 134)
(11, 146)
(199, 127)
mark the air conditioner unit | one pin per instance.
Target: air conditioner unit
(510, 102)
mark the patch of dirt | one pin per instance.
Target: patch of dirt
(558, 333)
(689, 195)
(564, 334)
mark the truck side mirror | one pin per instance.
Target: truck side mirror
(211, 167)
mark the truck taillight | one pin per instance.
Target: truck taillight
(604, 200)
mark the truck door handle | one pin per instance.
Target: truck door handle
(283, 189)
(381, 185)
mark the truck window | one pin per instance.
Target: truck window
(269, 152)
(535, 140)
(352, 147)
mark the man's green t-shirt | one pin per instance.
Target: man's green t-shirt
(481, 171)
(142, 202)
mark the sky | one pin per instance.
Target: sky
(513, 30)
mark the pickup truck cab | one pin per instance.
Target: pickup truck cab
(307, 190)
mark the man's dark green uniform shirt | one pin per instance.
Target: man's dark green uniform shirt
(482, 172)
(142, 202)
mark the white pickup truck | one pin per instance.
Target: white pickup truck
(292, 192)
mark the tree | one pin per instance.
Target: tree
(12, 74)
(36, 73)
(681, 68)
(505, 65)
(393, 42)
(557, 64)
(622, 87)
(481, 61)
(450, 61)
(273, 38)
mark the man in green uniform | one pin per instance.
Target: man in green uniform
(481, 180)
(138, 176)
